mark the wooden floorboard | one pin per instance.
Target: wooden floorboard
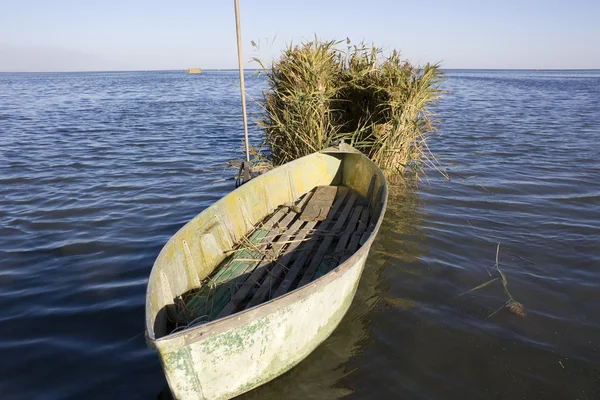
(318, 207)
(233, 271)
(371, 187)
(376, 210)
(201, 302)
(350, 228)
(276, 268)
(254, 278)
(297, 267)
(360, 229)
(324, 247)
(294, 246)
(258, 236)
(333, 259)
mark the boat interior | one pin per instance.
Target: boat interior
(299, 241)
(290, 248)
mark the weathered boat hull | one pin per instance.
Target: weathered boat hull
(232, 355)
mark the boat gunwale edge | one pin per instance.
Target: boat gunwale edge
(201, 332)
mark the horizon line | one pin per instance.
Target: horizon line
(258, 69)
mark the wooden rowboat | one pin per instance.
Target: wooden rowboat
(254, 283)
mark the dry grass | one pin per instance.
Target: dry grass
(320, 94)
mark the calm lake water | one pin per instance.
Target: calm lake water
(98, 170)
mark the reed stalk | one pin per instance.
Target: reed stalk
(319, 94)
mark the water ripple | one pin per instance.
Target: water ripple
(99, 169)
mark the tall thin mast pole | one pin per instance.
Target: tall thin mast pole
(241, 66)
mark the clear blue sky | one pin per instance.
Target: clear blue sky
(61, 35)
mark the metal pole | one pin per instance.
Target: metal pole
(241, 66)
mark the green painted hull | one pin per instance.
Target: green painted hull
(229, 356)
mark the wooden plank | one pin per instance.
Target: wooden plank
(297, 267)
(217, 291)
(318, 207)
(350, 229)
(324, 247)
(276, 268)
(378, 202)
(330, 261)
(224, 292)
(231, 266)
(371, 187)
(258, 272)
(365, 235)
(295, 248)
(378, 206)
(212, 292)
(281, 242)
(360, 229)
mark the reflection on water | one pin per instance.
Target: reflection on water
(326, 373)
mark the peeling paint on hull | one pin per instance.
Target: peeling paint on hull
(232, 355)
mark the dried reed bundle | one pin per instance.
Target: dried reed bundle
(319, 94)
